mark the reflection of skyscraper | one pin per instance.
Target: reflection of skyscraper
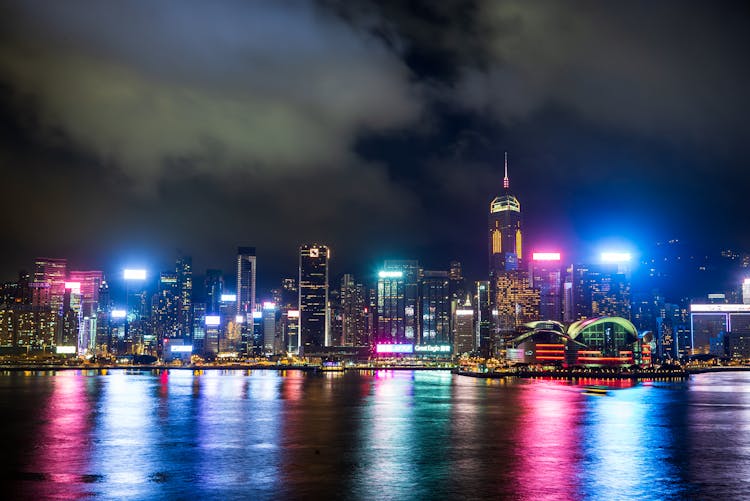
(504, 230)
(246, 270)
(313, 297)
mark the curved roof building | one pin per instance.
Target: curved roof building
(608, 340)
(591, 342)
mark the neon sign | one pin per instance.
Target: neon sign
(394, 348)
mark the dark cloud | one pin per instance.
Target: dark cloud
(269, 86)
(670, 70)
(131, 129)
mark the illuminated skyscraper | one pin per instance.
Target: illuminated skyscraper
(598, 290)
(516, 301)
(246, 270)
(51, 272)
(90, 282)
(545, 273)
(269, 321)
(391, 327)
(435, 308)
(184, 272)
(504, 232)
(199, 328)
(71, 316)
(167, 307)
(485, 338)
(353, 307)
(291, 330)
(314, 314)
(463, 328)
(457, 284)
(397, 302)
(214, 290)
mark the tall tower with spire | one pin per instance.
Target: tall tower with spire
(504, 230)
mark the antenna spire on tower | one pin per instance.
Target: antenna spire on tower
(506, 183)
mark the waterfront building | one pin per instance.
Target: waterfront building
(464, 339)
(608, 341)
(313, 300)
(269, 328)
(290, 319)
(353, 310)
(397, 306)
(713, 325)
(543, 342)
(593, 342)
(435, 309)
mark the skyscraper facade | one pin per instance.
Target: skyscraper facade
(214, 290)
(504, 233)
(314, 314)
(463, 328)
(546, 276)
(167, 307)
(398, 303)
(90, 281)
(485, 335)
(598, 290)
(435, 308)
(516, 301)
(51, 272)
(353, 308)
(184, 273)
(246, 272)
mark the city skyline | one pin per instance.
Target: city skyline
(464, 249)
(389, 149)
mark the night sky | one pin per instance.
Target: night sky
(132, 130)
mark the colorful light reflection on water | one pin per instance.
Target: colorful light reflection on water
(382, 434)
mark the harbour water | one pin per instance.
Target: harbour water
(370, 435)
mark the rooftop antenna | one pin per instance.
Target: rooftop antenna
(506, 183)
